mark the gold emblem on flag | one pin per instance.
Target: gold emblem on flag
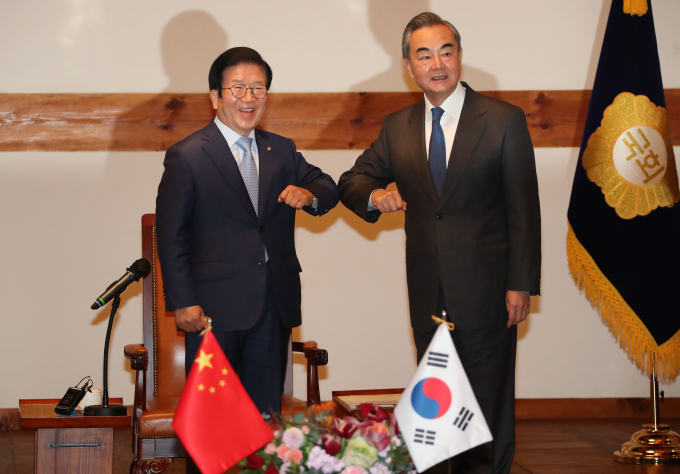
(630, 156)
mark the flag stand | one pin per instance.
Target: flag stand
(655, 443)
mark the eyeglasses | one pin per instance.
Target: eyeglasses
(239, 91)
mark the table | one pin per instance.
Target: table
(73, 444)
(349, 401)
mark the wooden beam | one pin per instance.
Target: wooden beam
(315, 121)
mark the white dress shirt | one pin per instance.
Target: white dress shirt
(453, 106)
(232, 137)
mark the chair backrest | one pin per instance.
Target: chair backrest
(165, 344)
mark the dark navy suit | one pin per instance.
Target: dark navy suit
(211, 245)
(210, 241)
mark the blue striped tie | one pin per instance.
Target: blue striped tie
(437, 151)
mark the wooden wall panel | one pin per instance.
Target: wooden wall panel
(594, 408)
(315, 121)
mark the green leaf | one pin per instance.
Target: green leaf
(299, 418)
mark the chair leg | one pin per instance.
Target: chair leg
(150, 466)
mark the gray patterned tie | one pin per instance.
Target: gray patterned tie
(249, 170)
(249, 175)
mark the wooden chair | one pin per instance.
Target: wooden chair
(159, 363)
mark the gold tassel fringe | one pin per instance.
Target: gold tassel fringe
(635, 7)
(625, 325)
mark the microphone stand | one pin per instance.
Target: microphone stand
(105, 409)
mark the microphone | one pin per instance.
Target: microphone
(139, 269)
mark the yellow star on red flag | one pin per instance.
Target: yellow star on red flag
(204, 360)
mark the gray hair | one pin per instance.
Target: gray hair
(421, 21)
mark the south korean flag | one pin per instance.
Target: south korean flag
(438, 413)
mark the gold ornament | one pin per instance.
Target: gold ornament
(630, 156)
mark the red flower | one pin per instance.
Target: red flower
(345, 428)
(254, 462)
(331, 444)
(368, 411)
(394, 426)
(380, 440)
(271, 469)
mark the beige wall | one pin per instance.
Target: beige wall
(70, 221)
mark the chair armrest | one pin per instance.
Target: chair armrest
(315, 357)
(313, 354)
(138, 355)
(139, 361)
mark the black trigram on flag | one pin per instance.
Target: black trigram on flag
(437, 359)
(463, 418)
(423, 436)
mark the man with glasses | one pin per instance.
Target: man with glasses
(225, 219)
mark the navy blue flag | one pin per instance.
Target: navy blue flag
(623, 240)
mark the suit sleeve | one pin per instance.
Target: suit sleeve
(371, 171)
(174, 206)
(317, 182)
(524, 212)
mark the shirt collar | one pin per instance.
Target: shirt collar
(232, 137)
(453, 105)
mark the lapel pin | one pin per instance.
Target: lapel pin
(269, 148)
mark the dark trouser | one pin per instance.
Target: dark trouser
(258, 355)
(488, 357)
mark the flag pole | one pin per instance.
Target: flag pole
(444, 320)
(655, 443)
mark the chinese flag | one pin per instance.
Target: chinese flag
(216, 420)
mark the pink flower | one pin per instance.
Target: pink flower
(281, 451)
(270, 449)
(305, 429)
(293, 455)
(293, 437)
(353, 470)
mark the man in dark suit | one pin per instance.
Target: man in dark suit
(225, 221)
(464, 168)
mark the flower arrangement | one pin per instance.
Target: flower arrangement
(317, 442)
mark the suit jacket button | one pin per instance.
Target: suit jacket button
(260, 263)
(261, 229)
(439, 216)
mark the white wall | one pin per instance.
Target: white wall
(71, 221)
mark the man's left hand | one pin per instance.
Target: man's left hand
(518, 304)
(295, 197)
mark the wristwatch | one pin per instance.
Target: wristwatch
(315, 203)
